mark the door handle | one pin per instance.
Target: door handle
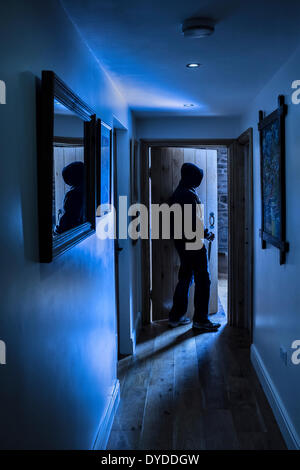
(211, 220)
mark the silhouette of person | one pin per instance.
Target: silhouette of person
(73, 175)
(192, 262)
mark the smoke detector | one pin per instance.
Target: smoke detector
(198, 27)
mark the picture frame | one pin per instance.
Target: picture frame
(103, 167)
(66, 199)
(272, 168)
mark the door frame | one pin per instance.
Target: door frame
(236, 151)
(121, 253)
(144, 184)
(116, 244)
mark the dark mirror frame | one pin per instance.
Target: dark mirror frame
(264, 121)
(54, 88)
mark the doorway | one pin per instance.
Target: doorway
(239, 192)
(166, 163)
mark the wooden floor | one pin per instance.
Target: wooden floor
(185, 390)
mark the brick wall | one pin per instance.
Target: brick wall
(222, 201)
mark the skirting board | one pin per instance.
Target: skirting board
(108, 418)
(287, 429)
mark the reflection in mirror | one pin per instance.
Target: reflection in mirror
(68, 208)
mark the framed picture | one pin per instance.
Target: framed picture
(66, 168)
(103, 167)
(272, 166)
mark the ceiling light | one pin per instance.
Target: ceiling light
(193, 65)
(198, 27)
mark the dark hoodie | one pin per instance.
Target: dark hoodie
(191, 177)
(73, 175)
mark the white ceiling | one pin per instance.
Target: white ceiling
(140, 45)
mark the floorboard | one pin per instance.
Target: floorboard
(189, 391)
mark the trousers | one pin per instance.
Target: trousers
(193, 264)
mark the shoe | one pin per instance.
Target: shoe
(206, 326)
(182, 321)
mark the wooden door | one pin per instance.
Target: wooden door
(165, 175)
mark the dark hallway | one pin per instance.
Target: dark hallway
(104, 105)
(190, 391)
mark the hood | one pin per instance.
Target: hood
(73, 174)
(191, 175)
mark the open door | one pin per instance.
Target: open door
(166, 163)
(240, 254)
(122, 254)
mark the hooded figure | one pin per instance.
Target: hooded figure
(191, 177)
(73, 175)
(193, 263)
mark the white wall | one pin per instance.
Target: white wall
(58, 320)
(188, 127)
(276, 288)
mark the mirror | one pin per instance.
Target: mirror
(66, 169)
